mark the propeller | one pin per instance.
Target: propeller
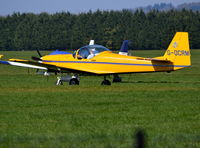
(39, 59)
(36, 59)
(39, 53)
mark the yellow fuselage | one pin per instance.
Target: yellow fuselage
(108, 63)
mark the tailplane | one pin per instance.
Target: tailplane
(178, 51)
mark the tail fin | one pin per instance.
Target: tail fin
(178, 51)
(124, 48)
(91, 42)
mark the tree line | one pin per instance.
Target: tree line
(152, 30)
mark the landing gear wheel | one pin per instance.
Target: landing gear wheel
(74, 81)
(105, 82)
(116, 78)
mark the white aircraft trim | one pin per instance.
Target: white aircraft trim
(91, 42)
(26, 65)
(123, 53)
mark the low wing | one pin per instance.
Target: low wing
(39, 65)
(23, 63)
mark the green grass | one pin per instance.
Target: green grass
(36, 113)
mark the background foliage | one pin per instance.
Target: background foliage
(153, 30)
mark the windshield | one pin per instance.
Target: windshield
(90, 51)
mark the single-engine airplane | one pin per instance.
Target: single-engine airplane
(98, 60)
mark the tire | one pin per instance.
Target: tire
(116, 78)
(74, 81)
(105, 82)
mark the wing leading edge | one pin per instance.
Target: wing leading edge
(42, 66)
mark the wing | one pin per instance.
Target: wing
(24, 63)
(39, 65)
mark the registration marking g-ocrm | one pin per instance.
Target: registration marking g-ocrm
(179, 52)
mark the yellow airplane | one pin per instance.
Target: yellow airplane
(98, 60)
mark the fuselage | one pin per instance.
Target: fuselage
(107, 63)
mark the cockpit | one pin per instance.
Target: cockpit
(90, 51)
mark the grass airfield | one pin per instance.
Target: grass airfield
(34, 112)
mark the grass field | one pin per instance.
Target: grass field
(36, 113)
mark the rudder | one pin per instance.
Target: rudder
(124, 48)
(178, 51)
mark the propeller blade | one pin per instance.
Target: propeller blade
(39, 53)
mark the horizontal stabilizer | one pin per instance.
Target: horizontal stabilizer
(159, 59)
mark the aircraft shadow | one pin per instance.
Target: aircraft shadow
(149, 82)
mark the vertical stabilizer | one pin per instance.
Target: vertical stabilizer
(178, 51)
(124, 48)
(91, 42)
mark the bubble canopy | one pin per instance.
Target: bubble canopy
(85, 51)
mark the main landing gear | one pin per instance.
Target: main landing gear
(74, 80)
(105, 81)
(116, 78)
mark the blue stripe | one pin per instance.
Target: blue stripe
(4, 62)
(117, 63)
(59, 52)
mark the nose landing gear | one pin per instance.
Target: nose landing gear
(74, 80)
